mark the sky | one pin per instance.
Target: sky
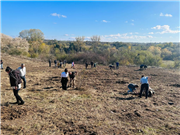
(123, 21)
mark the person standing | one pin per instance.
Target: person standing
(22, 70)
(64, 63)
(92, 64)
(55, 63)
(95, 65)
(64, 79)
(86, 65)
(72, 66)
(144, 85)
(49, 62)
(117, 65)
(1, 64)
(15, 82)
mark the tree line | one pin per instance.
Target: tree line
(82, 51)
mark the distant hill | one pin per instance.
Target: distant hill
(8, 42)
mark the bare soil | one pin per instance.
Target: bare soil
(98, 105)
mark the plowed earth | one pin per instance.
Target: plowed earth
(99, 105)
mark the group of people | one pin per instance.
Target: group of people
(16, 77)
(144, 86)
(111, 66)
(64, 78)
(58, 64)
(91, 63)
(1, 64)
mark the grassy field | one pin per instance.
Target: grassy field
(99, 105)
(167, 64)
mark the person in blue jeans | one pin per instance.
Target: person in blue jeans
(132, 87)
(117, 65)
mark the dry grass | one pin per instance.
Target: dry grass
(98, 105)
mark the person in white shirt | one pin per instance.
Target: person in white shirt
(64, 79)
(22, 70)
(144, 85)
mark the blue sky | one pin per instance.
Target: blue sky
(128, 21)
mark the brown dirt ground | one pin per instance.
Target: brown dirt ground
(99, 104)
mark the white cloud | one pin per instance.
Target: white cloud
(167, 15)
(130, 33)
(151, 33)
(132, 20)
(55, 14)
(87, 38)
(136, 33)
(165, 28)
(66, 35)
(132, 23)
(58, 15)
(105, 21)
(72, 38)
(113, 37)
(161, 14)
(126, 22)
(64, 16)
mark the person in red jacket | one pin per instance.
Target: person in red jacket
(15, 82)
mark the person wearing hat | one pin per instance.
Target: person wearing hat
(22, 70)
(64, 79)
(15, 82)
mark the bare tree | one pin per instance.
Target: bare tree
(95, 40)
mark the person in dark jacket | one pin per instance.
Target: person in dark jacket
(86, 64)
(55, 63)
(141, 66)
(117, 65)
(49, 62)
(132, 87)
(15, 82)
(92, 64)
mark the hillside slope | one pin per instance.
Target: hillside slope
(99, 106)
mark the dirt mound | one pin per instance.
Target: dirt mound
(12, 112)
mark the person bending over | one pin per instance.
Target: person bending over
(72, 78)
(132, 88)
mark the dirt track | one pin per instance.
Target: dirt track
(100, 106)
